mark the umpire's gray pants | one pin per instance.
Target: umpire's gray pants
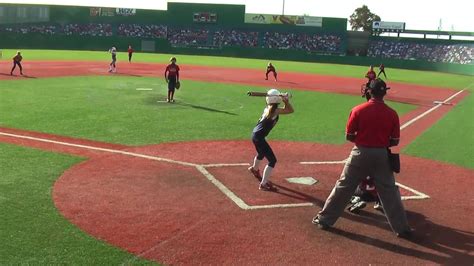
(361, 163)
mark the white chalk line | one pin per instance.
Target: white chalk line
(224, 165)
(418, 194)
(325, 162)
(87, 147)
(223, 188)
(430, 110)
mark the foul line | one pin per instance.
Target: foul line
(430, 110)
(98, 149)
(224, 164)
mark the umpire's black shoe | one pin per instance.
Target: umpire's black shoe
(406, 234)
(321, 225)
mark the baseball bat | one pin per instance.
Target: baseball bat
(264, 94)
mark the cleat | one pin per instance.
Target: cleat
(355, 199)
(355, 208)
(406, 234)
(267, 187)
(321, 225)
(255, 173)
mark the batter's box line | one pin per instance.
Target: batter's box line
(243, 205)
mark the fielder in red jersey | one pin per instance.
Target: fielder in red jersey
(370, 75)
(172, 78)
(382, 70)
(271, 68)
(17, 62)
(130, 53)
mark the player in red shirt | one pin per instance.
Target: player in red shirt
(130, 53)
(370, 75)
(271, 68)
(172, 78)
(17, 61)
(381, 70)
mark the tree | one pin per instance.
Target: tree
(362, 18)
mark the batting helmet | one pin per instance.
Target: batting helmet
(273, 96)
(173, 59)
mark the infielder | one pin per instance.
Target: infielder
(17, 62)
(271, 68)
(112, 67)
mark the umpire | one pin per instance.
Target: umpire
(373, 127)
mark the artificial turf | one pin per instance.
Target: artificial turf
(451, 139)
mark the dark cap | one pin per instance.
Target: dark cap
(378, 85)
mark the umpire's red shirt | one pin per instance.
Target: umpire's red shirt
(374, 123)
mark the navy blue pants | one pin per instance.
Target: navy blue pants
(264, 150)
(172, 83)
(15, 63)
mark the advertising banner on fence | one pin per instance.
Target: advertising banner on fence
(126, 11)
(388, 26)
(287, 20)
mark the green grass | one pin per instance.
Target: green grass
(400, 75)
(110, 109)
(32, 231)
(451, 139)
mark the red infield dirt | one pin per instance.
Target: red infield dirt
(167, 203)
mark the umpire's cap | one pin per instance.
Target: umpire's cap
(378, 85)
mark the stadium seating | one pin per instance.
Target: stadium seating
(447, 53)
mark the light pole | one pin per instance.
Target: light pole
(283, 11)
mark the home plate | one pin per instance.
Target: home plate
(305, 180)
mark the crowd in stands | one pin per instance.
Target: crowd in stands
(188, 37)
(235, 38)
(143, 31)
(320, 43)
(44, 29)
(301, 41)
(446, 53)
(90, 29)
